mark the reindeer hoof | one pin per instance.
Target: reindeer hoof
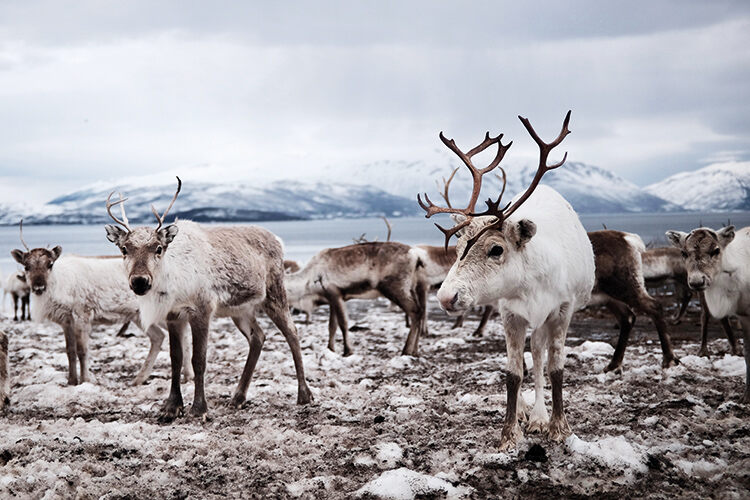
(478, 333)
(670, 362)
(237, 400)
(72, 381)
(170, 411)
(348, 352)
(4, 402)
(558, 429)
(703, 353)
(745, 398)
(510, 436)
(614, 367)
(304, 396)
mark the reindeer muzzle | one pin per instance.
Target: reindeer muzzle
(140, 284)
(38, 289)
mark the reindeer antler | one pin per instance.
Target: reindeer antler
(493, 207)
(124, 222)
(388, 225)
(476, 174)
(20, 231)
(446, 187)
(163, 216)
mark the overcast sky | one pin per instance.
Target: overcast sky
(97, 90)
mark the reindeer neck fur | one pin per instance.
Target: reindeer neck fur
(90, 288)
(729, 292)
(219, 269)
(555, 267)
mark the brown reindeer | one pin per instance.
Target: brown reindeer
(363, 270)
(185, 273)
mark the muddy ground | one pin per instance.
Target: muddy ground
(429, 425)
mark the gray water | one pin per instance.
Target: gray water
(303, 239)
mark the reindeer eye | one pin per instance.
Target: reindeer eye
(715, 252)
(495, 251)
(684, 255)
(49, 266)
(26, 267)
(124, 250)
(159, 250)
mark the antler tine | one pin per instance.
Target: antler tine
(450, 232)
(20, 230)
(120, 202)
(388, 225)
(174, 198)
(446, 187)
(544, 150)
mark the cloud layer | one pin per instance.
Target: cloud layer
(99, 90)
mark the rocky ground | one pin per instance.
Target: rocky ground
(382, 425)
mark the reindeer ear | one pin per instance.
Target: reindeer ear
(676, 238)
(522, 231)
(168, 233)
(56, 253)
(726, 235)
(18, 255)
(114, 233)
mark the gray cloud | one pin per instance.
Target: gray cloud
(95, 90)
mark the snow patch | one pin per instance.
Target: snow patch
(590, 349)
(406, 484)
(611, 451)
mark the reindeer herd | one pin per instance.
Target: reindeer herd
(529, 259)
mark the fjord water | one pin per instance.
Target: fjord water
(302, 239)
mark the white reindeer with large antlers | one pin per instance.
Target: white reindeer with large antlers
(535, 256)
(187, 273)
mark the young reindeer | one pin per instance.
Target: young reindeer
(185, 273)
(534, 255)
(663, 265)
(717, 265)
(363, 270)
(77, 292)
(18, 287)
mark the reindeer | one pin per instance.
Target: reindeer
(620, 287)
(717, 265)
(77, 292)
(535, 256)
(665, 265)
(187, 273)
(18, 288)
(4, 379)
(363, 270)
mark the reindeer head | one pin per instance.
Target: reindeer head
(490, 249)
(37, 263)
(702, 251)
(143, 247)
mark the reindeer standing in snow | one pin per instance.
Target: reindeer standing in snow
(77, 292)
(18, 287)
(717, 265)
(185, 273)
(363, 270)
(662, 265)
(534, 255)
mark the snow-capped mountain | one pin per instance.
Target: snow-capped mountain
(220, 201)
(721, 186)
(588, 188)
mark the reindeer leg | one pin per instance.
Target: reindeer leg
(124, 328)
(558, 428)
(745, 321)
(340, 310)
(486, 314)
(705, 316)
(70, 349)
(82, 347)
(15, 306)
(685, 296)
(25, 315)
(626, 320)
(199, 322)
(332, 326)
(156, 336)
(173, 406)
(458, 323)
(515, 338)
(539, 419)
(255, 339)
(654, 310)
(730, 336)
(278, 311)
(187, 368)
(4, 380)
